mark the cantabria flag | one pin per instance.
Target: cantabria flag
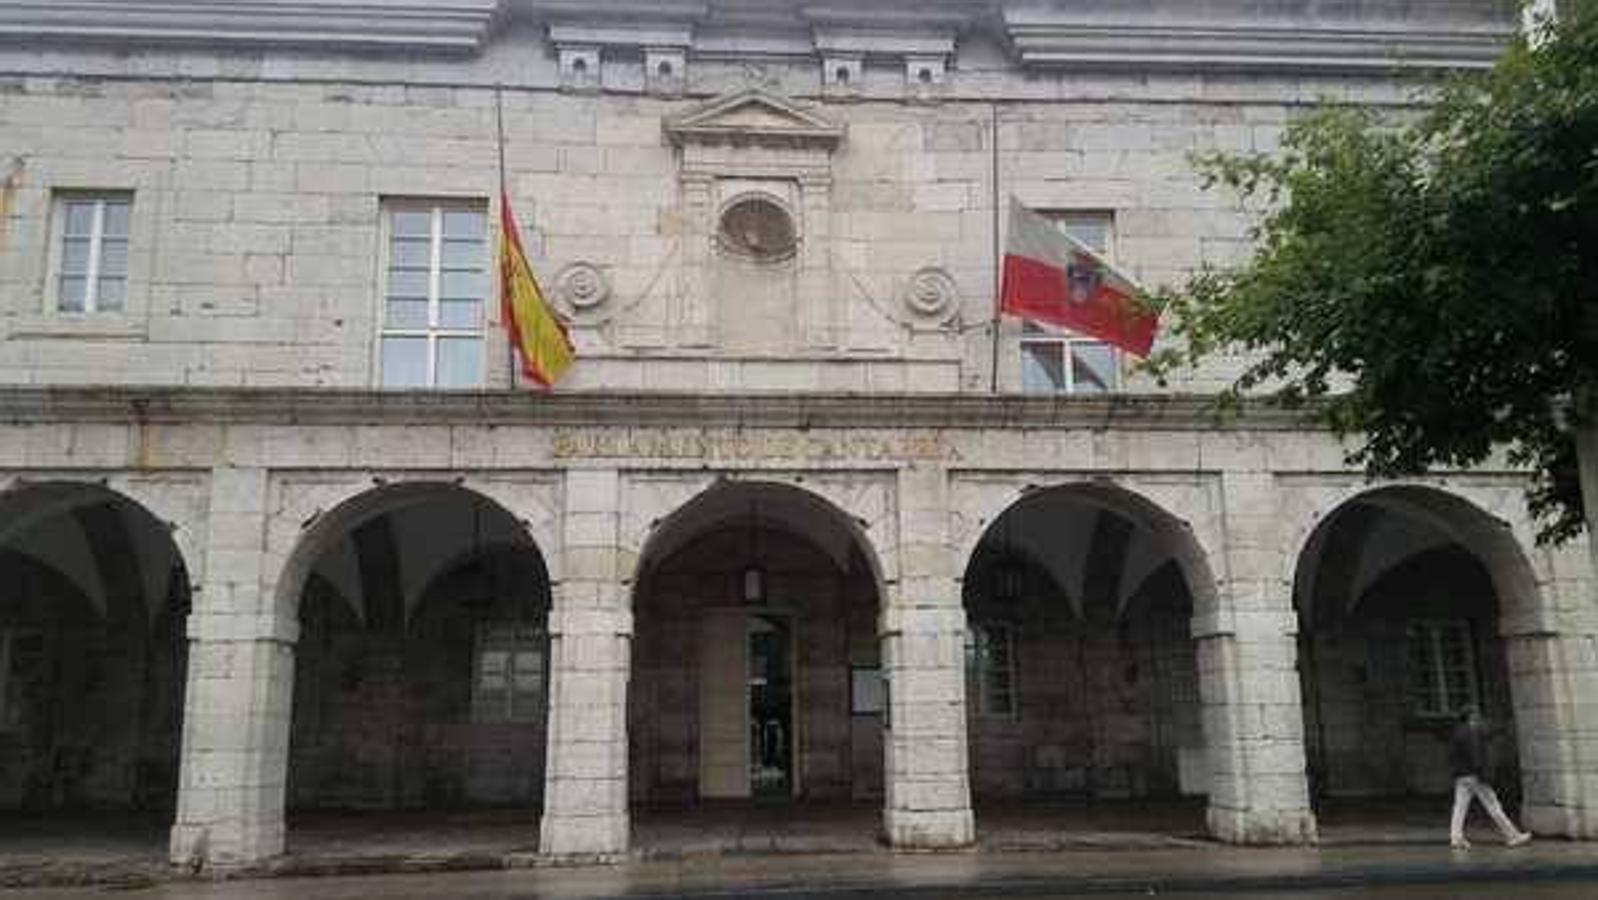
(539, 337)
(1052, 277)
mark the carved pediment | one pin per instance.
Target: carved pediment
(754, 117)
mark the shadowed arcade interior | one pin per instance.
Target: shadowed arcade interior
(1082, 686)
(1399, 636)
(755, 665)
(421, 673)
(94, 597)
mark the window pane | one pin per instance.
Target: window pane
(463, 285)
(460, 362)
(407, 283)
(404, 362)
(405, 313)
(75, 256)
(528, 675)
(463, 254)
(72, 291)
(462, 314)
(117, 213)
(1092, 230)
(80, 218)
(1092, 368)
(112, 294)
(1042, 366)
(462, 224)
(114, 257)
(410, 253)
(413, 223)
(493, 669)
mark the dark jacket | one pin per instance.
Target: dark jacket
(1469, 751)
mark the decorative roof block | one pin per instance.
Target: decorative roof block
(753, 117)
(448, 25)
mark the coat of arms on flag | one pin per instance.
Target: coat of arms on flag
(1052, 277)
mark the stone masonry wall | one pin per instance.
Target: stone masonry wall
(257, 225)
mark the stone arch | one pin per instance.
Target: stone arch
(1373, 540)
(311, 514)
(1480, 523)
(26, 503)
(434, 626)
(1082, 671)
(694, 705)
(1194, 534)
(864, 511)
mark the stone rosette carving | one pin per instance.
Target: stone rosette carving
(582, 287)
(931, 296)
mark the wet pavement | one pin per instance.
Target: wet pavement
(1543, 870)
(1035, 850)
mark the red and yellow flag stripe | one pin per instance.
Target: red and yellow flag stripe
(539, 336)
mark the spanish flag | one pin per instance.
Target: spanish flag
(538, 336)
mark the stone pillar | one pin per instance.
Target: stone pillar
(585, 786)
(1552, 650)
(1248, 678)
(237, 707)
(691, 324)
(928, 802)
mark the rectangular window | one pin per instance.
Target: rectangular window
(1442, 668)
(508, 679)
(990, 670)
(21, 652)
(1056, 360)
(90, 273)
(435, 286)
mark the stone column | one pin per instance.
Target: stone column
(1248, 678)
(1552, 650)
(240, 691)
(585, 786)
(928, 803)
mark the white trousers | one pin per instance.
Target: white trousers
(1470, 786)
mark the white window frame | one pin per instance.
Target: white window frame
(6, 712)
(58, 249)
(515, 640)
(1043, 335)
(1437, 702)
(978, 672)
(434, 331)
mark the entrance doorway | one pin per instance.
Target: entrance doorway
(746, 722)
(770, 649)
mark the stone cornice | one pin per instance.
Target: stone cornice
(1180, 35)
(1238, 48)
(1281, 35)
(23, 405)
(438, 25)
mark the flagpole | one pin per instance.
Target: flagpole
(998, 281)
(499, 130)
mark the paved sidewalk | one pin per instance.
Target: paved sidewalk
(131, 852)
(1216, 870)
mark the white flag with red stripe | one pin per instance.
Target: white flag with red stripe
(1052, 277)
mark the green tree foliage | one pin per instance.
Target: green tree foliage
(1431, 285)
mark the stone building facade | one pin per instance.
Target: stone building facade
(280, 530)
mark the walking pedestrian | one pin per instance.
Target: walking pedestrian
(1468, 755)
